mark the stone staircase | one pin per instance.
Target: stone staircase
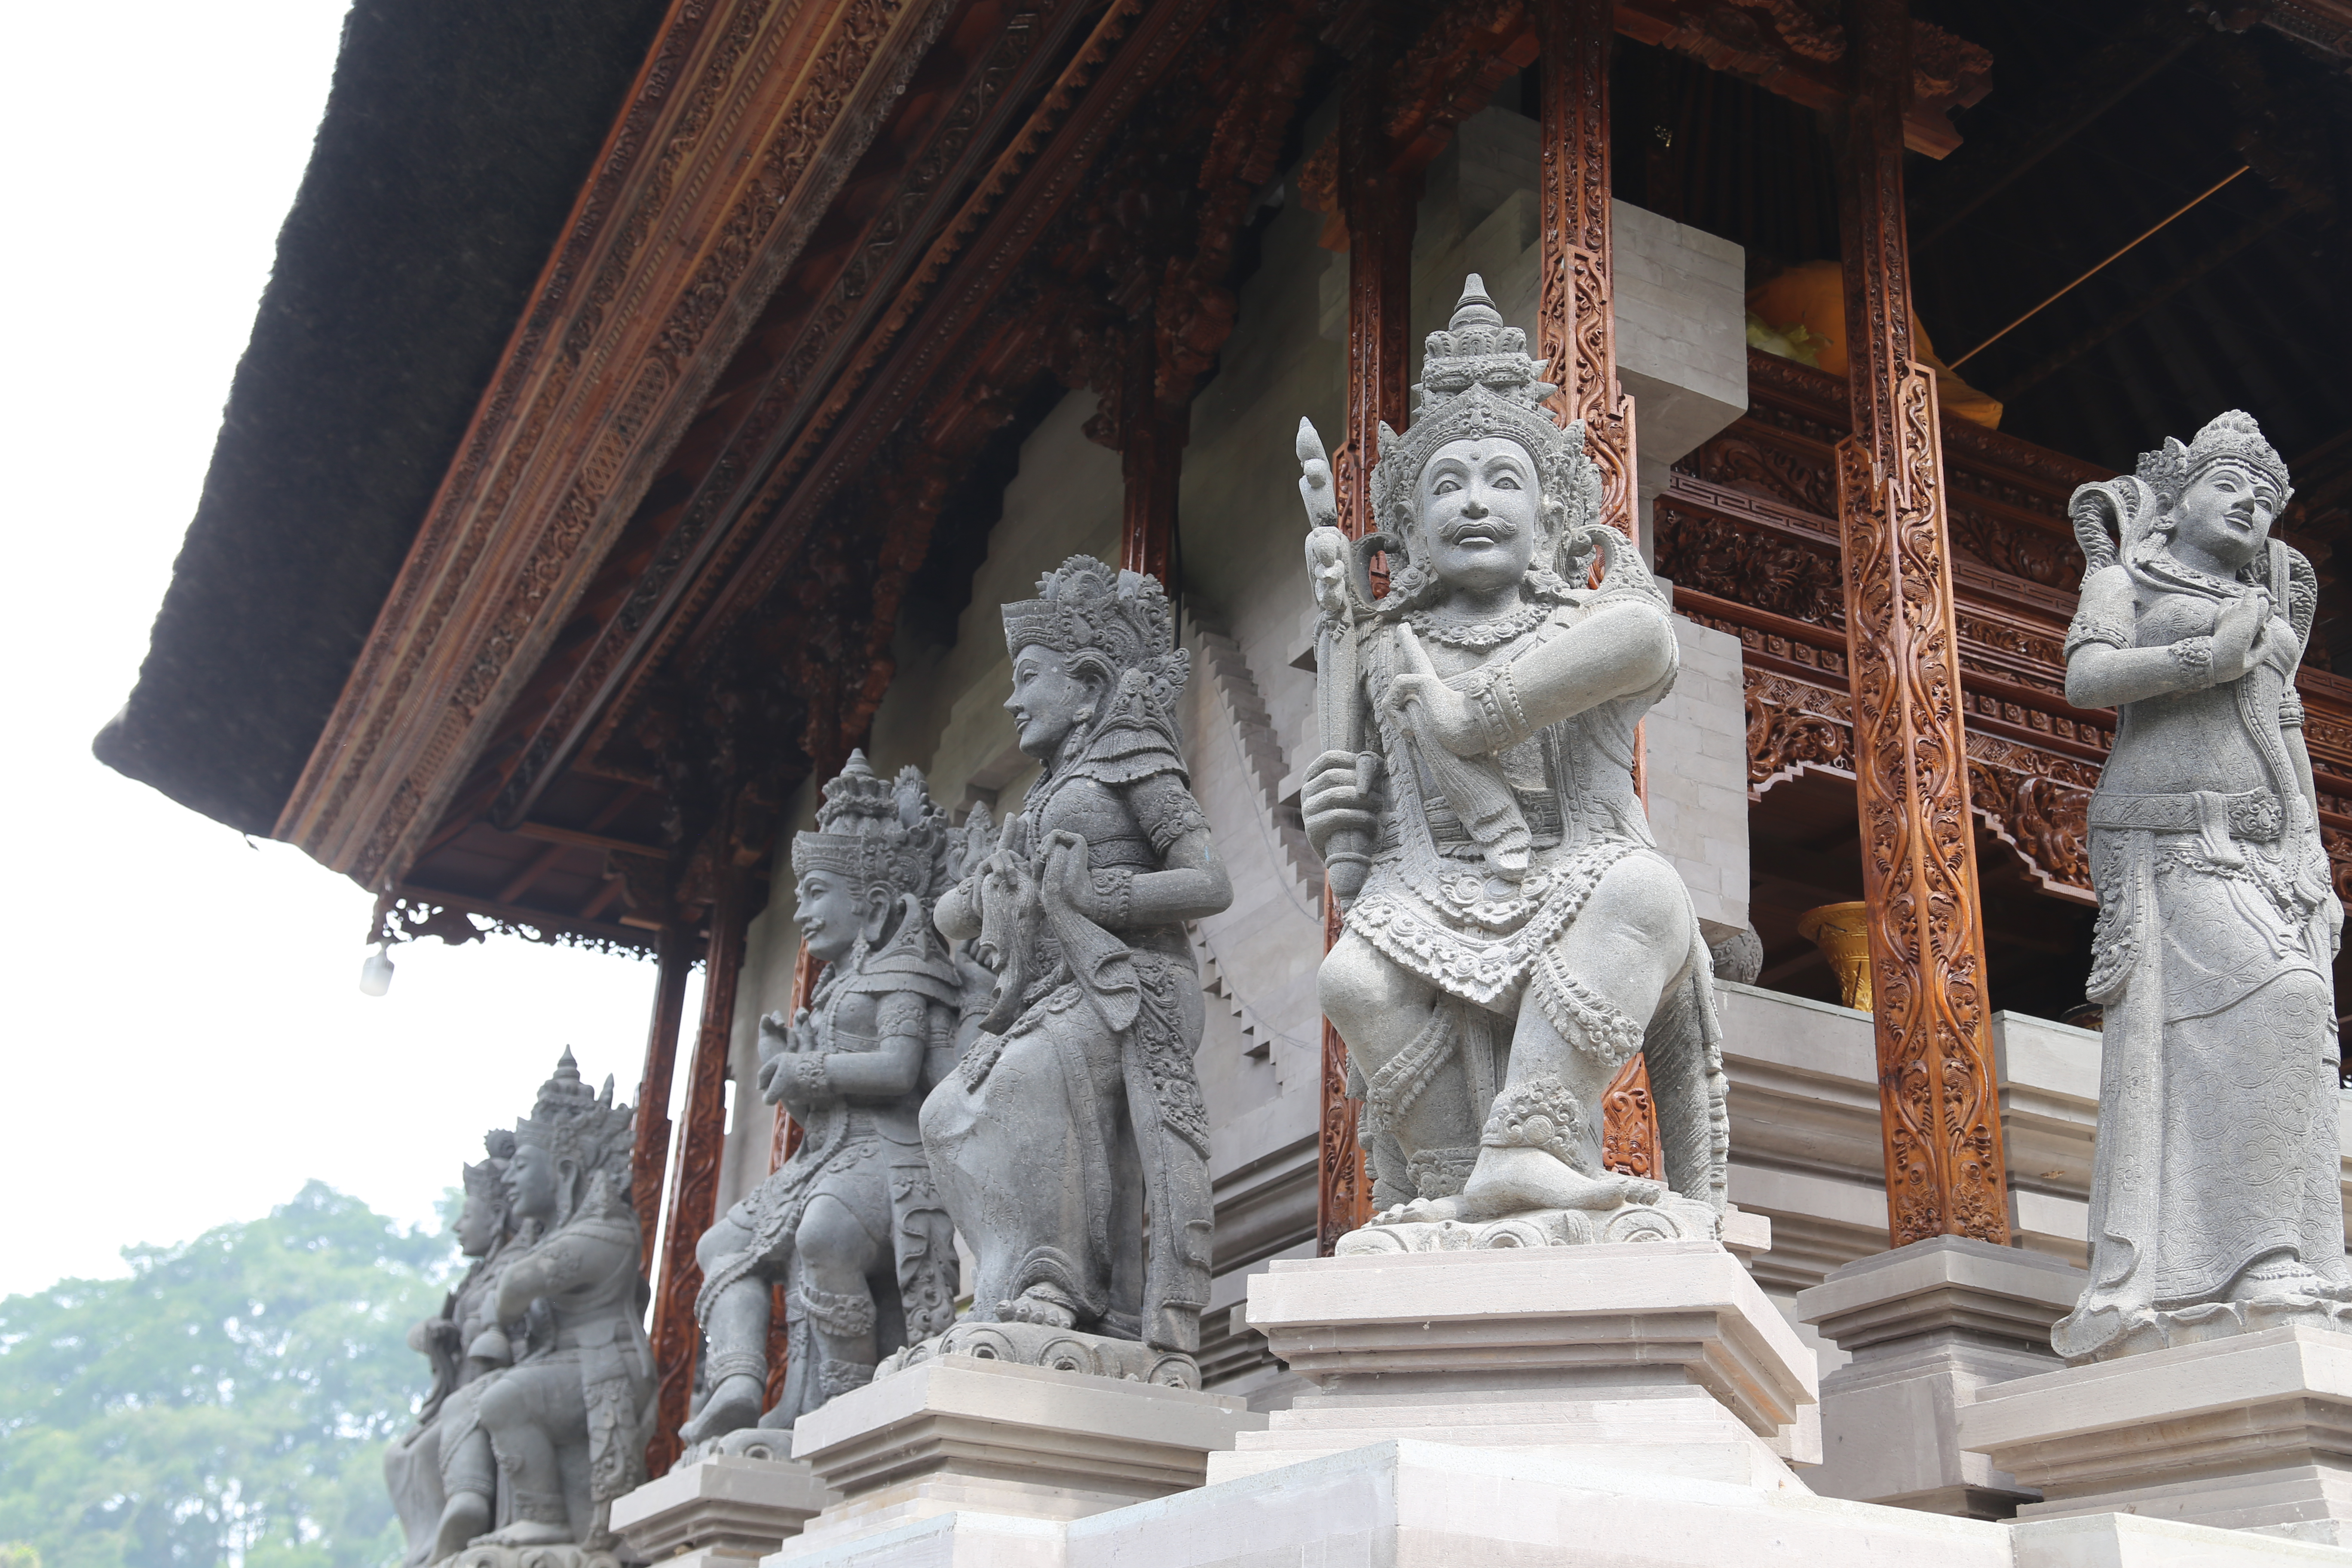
(1221, 663)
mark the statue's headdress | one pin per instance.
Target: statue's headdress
(1120, 618)
(877, 832)
(2232, 437)
(487, 1180)
(1477, 381)
(574, 1122)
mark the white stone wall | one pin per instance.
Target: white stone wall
(1694, 751)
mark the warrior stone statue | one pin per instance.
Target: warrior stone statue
(851, 1225)
(448, 1454)
(1513, 935)
(2214, 1199)
(569, 1421)
(1074, 1128)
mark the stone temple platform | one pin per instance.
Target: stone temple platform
(1635, 1405)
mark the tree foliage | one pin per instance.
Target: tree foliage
(228, 1402)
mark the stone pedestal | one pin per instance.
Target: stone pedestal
(1928, 1326)
(2252, 1433)
(958, 1446)
(725, 1510)
(1662, 1356)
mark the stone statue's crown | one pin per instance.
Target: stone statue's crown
(1086, 605)
(572, 1121)
(2232, 437)
(486, 1181)
(875, 831)
(1477, 381)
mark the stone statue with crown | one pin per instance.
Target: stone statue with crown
(2214, 1199)
(446, 1454)
(1072, 1144)
(1513, 935)
(569, 1420)
(851, 1225)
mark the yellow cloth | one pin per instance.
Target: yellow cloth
(1813, 297)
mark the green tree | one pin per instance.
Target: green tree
(228, 1402)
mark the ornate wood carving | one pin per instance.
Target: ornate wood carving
(899, 248)
(1937, 1097)
(693, 1196)
(1343, 1188)
(649, 1154)
(1575, 322)
(738, 133)
(1629, 1123)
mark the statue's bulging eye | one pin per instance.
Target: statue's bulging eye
(1506, 482)
(1445, 487)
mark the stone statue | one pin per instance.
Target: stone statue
(1071, 1143)
(851, 1225)
(448, 1454)
(1513, 935)
(570, 1419)
(2214, 1198)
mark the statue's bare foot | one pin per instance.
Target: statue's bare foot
(1520, 1181)
(528, 1532)
(464, 1516)
(732, 1405)
(1039, 1304)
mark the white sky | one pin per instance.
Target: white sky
(184, 1038)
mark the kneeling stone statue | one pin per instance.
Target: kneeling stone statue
(1513, 935)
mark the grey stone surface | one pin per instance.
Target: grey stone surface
(1071, 1143)
(851, 1225)
(447, 1452)
(569, 1420)
(1517, 935)
(2215, 1187)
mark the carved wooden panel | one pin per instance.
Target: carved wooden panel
(1629, 1123)
(1343, 1188)
(1937, 1099)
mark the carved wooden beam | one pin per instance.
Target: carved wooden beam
(694, 1195)
(737, 131)
(824, 321)
(1938, 1101)
(649, 1154)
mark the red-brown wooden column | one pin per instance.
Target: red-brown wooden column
(1152, 459)
(1576, 324)
(1936, 1095)
(780, 1147)
(1576, 330)
(1378, 209)
(649, 1154)
(675, 1334)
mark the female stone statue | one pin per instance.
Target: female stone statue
(851, 1225)
(2216, 1182)
(1076, 1112)
(1516, 936)
(569, 1421)
(449, 1454)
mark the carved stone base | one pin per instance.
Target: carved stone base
(1665, 1356)
(1056, 1350)
(725, 1509)
(565, 1556)
(2212, 1320)
(1673, 1218)
(1014, 1444)
(2253, 1432)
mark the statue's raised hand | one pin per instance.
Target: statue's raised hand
(1419, 695)
(2237, 632)
(1067, 869)
(1336, 798)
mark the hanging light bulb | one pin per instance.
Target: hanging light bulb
(375, 974)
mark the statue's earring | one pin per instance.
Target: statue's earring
(1086, 716)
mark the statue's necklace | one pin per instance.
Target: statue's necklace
(1479, 636)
